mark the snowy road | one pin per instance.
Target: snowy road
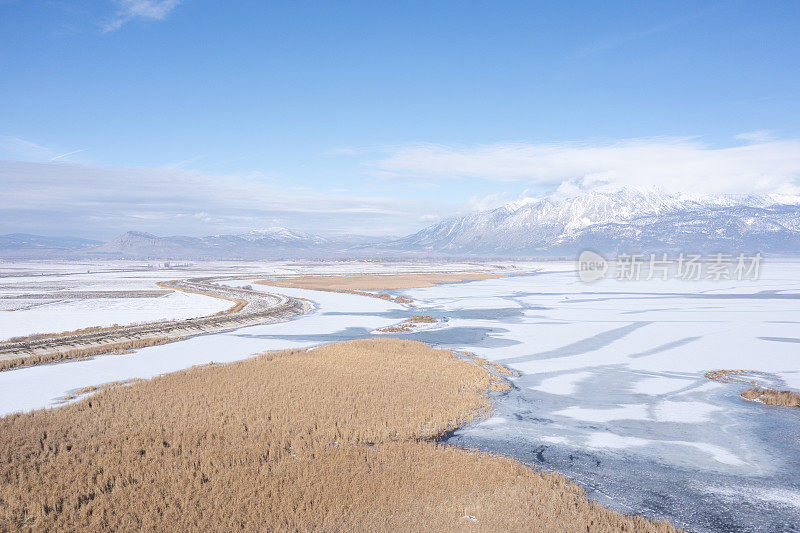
(253, 307)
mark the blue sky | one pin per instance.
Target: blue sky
(201, 117)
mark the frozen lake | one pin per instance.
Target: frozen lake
(611, 389)
(612, 393)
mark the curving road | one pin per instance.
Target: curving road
(258, 308)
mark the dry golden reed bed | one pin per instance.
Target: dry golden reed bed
(726, 375)
(408, 324)
(94, 388)
(113, 348)
(784, 398)
(765, 395)
(38, 336)
(329, 439)
(361, 283)
(377, 282)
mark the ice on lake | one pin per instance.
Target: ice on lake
(611, 389)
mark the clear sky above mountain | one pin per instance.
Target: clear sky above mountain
(201, 117)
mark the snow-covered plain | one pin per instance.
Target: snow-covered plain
(335, 315)
(69, 315)
(52, 312)
(611, 389)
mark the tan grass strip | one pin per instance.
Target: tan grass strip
(783, 398)
(376, 282)
(409, 324)
(727, 375)
(94, 388)
(757, 392)
(81, 331)
(361, 283)
(113, 348)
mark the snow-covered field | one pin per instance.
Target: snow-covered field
(611, 388)
(336, 315)
(69, 315)
(56, 306)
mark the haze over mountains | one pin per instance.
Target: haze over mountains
(26, 245)
(622, 220)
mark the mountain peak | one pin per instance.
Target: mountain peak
(615, 218)
(281, 234)
(137, 234)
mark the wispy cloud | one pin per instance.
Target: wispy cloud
(615, 41)
(184, 164)
(756, 136)
(490, 201)
(93, 201)
(18, 148)
(760, 164)
(62, 156)
(23, 149)
(128, 10)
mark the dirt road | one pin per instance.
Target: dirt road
(252, 308)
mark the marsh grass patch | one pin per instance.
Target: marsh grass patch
(338, 438)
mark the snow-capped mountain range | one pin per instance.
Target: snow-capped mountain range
(617, 220)
(620, 220)
(257, 244)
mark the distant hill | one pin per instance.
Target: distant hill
(24, 245)
(624, 220)
(271, 243)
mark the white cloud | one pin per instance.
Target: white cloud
(128, 10)
(489, 201)
(62, 156)
(345, 150)
(756, 136)
(67, 198)
(673, 164)
(23, 149)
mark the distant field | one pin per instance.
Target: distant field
(249, 308)
(335, 438)
(45, 316)
(377, 282)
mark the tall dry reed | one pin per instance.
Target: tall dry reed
(112, 348)
(783, 398)
(331, 439)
